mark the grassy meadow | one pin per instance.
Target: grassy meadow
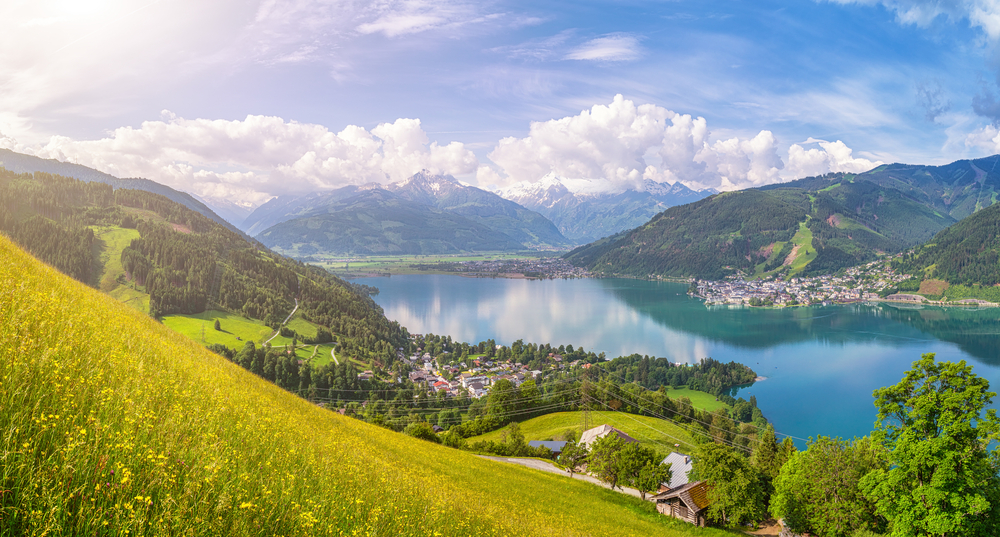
(113, 424)
(700, 400)
(655, 433)
(803, 239)
(233, 327)
(107, 252)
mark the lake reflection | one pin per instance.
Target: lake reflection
(822, 362)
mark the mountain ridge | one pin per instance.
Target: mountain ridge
(824, 223)
(423, 214)
(585, 216)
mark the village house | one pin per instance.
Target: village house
(467, 381)
(687, 502)
(601, 431)
(680, 467)
(555, 446)
(476, 390)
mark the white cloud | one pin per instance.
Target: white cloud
(611, 142)
(395, 18)
(539, 49)
(828, 157)
(261, 156)
(611, 48)
(983, 14)
(985, 139)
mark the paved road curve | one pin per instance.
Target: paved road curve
(286, 320)
(551, 468)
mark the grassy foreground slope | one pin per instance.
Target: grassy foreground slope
(111, 424)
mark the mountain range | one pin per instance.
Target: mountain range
(814, 225)
(425, 214)
(588, 216)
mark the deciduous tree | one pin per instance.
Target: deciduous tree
(573, 455)
(943, 476)
(604, 455)
(817, 490)
(736, 490)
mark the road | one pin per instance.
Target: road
(551, 468)
(286, 320)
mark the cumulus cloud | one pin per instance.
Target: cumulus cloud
(828, 157)
(985, 139)
(254, 159)
(611, 143)
(610, 48)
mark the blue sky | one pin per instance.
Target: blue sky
(243, 100)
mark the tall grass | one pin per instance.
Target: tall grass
(111, 424)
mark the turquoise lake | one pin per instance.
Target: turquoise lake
(821, 362)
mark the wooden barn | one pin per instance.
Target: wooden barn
(687, 502)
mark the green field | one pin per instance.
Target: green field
(803, 239)
(132, 298)
(142, 431)
(655, 433)
(107, 252)
(700, 400)
(322, 355)
(108, 246)
(233, 326)
(304, 352)
(302, 327)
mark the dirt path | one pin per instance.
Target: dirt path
(551, 468)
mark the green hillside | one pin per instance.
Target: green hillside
(21, 163)
(141, 431)
(810, 227)
(163, 258)
(965, 255)
(657, 434)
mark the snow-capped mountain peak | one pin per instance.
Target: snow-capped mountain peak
(588, 209)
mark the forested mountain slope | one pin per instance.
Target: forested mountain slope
(144, 431)
(811, 226)
(967, 253)
(185, 262)
(21, 163)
